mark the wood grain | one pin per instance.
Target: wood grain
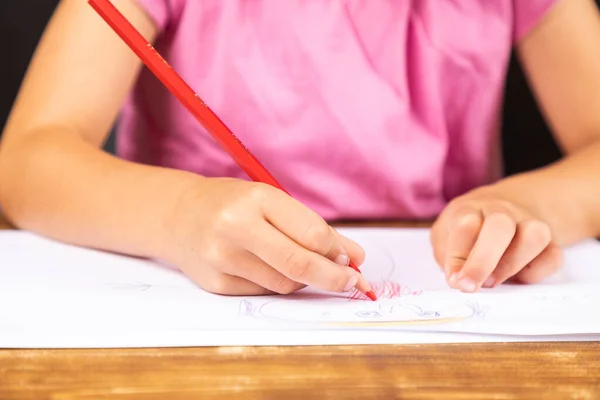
(499, 371)
(461, 371)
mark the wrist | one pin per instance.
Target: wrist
(510, 190)
(177, 216)
(537, 193)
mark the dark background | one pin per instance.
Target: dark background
(526, 140)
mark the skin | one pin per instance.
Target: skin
(515, 228)
(237, 237)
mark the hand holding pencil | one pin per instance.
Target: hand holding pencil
(305, 249)
(236, 237)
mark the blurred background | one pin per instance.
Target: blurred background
(22, 23)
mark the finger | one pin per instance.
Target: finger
(248, 266)
(300, 264)
(496, 234)
(547, 263)
(438, 237)
(531, 239)
(353, 249)
(224, 284)
(303, 226)
(462, 237)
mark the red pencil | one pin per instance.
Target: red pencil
(186, 95)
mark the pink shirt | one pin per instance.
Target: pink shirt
(360, 108)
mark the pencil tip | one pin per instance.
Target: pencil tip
(371, 295)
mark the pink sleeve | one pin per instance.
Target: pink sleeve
(161, 11)
(527, 13)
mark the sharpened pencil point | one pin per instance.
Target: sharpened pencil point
(370, 294)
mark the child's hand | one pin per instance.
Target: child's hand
(481, 239)
(241, 238)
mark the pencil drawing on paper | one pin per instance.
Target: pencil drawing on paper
(385, 290)
(384, 286)
(400, 311)
(398, 305)
(246, 308)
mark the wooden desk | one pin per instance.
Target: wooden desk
(473, 371)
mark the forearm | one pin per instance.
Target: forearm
(566, 195)
(58, 185)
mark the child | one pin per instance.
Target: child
(361, 108)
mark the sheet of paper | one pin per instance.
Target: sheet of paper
(56, 295)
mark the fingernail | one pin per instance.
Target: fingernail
(452, 278)
(342, 259)
(489, 282)
(351, 283)
(466, 285)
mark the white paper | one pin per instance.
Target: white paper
(56, 295)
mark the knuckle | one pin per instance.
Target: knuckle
(499, 206)
(318, 237)
(213, 255)
(537, 233)
(463, 210)
(297, 266)
(257, 193)
(502, 219)
(468, 220)
(225, 220)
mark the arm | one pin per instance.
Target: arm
(229, 236)
(561, 58)
(514, 229)
(53, 177)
